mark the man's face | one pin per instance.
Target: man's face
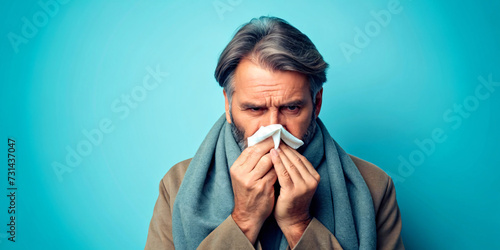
(262, 97)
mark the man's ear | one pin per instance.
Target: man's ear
(228, 117)
(318, 101)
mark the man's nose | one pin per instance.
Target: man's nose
(274, 116)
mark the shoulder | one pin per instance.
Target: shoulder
(370, 172)
(173, 178)
(376, 179)
(178, 169)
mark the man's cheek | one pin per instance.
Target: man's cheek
(249, 129)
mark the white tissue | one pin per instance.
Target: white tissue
(278, 133)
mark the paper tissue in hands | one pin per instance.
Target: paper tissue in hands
(278, 133)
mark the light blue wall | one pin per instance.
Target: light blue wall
(398, 88)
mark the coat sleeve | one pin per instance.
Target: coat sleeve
(160, 227)
(389, 220)
(227, 236)
(317, 236)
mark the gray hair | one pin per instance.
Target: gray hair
(275, 44)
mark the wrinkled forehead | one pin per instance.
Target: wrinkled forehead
(253, 79)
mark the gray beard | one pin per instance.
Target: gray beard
(239, 133)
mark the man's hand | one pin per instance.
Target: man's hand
(298, 180)
(253, 178)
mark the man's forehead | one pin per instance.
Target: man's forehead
(257, 90)
(249, 76)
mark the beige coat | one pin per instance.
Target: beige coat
(229, 236)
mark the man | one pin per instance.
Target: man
(235, 196)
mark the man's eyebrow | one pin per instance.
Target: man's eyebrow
(248, 105)
(294, 103)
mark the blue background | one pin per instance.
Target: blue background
(400, 87)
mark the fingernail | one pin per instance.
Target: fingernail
(274, 152)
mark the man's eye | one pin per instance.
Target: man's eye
(291, 109)
(255, 109)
